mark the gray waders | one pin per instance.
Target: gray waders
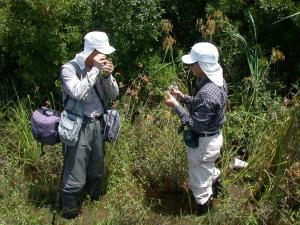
(83, 168)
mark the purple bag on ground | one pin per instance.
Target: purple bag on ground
(44, 123)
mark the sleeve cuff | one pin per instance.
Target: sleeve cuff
(108, 79)
(179, 110)
(92, 76)
(187, 98)
(95, 70)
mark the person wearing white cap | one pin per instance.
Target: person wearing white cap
(87, 79)
(204, 118)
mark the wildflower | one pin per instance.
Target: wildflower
(214, 24)
(128, 91)
(126, 107)
(276, 56)
(200, 25)
(145, 79)
(169, 41)
(117, 74)
(121, 84)
(211, 27)
(115, 104)
(166, 26)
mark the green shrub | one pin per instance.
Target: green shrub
(154, 151)
(150, 157)
(39, 37)
(226, 18)
(161, 74)
(133, 28)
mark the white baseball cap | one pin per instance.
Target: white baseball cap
(94, 40)
(99, 41)
(207, 56)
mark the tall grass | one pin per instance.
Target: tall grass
(146, 168)
(16, 132)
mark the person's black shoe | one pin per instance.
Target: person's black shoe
(69, 205)
(203, 209)
(218, 189)
(93, 188)
(69, 214)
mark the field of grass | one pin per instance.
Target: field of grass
(146, 171)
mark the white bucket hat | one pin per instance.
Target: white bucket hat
(207, 56)
(94, 40)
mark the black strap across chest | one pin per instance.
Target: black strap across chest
(78, 70)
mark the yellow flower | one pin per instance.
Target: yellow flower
(277, 55)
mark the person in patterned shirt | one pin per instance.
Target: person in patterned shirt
(204, 116)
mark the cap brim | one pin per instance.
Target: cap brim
(187, 59)
(107, 50)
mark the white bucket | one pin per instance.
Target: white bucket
(236, 163)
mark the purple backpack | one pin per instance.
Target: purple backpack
(44, 123)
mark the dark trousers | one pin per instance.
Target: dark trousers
(84, 165)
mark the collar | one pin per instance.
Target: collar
(201, 82)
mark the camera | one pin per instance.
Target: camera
(173, 86)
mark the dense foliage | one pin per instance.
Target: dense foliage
(37, 37)
(147, 175)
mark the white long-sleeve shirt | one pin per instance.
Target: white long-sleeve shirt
(81, 87)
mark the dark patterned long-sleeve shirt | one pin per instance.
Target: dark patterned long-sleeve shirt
(205, 111)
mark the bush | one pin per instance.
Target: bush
(235, 19)
(149, 158)
(159, 162)
(40, 37)
(49, 33)
(133, 28)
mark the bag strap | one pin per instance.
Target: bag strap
(76, 66)
(101, 99)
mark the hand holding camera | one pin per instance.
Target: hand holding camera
(99, 60)
(107, 68)
(105, 65)
(171, 100)
(174, 91)
(177, 94)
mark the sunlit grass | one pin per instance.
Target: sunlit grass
(148, 162)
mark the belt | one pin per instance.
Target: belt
(208, 134)
(90, 119)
